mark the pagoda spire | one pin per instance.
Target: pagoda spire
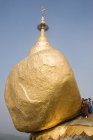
(42, 24)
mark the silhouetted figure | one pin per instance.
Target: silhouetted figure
(89, 105)
(84, 108)
(92, 107)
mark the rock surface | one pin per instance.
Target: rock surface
(41, 90)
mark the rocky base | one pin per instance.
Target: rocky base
(83, 136)
(76, 129)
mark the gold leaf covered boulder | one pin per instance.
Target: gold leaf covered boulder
(41, 90)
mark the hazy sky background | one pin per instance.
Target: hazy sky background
(71, 31)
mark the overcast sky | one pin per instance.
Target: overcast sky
(70, 31)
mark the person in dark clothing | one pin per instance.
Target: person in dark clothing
(84, 108)
(89, 105)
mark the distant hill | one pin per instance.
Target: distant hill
(12, 137)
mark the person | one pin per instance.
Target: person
(81, 110)
(92, 107)
(89, 105)
(84, 108)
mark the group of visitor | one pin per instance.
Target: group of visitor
(86, 107)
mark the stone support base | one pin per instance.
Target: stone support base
(83, 136)
(77, 129)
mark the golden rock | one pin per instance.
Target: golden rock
(41, 90)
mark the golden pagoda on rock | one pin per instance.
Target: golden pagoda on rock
(41, 91)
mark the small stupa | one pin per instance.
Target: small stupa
(41, 91)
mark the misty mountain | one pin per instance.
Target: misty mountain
(12, 137)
